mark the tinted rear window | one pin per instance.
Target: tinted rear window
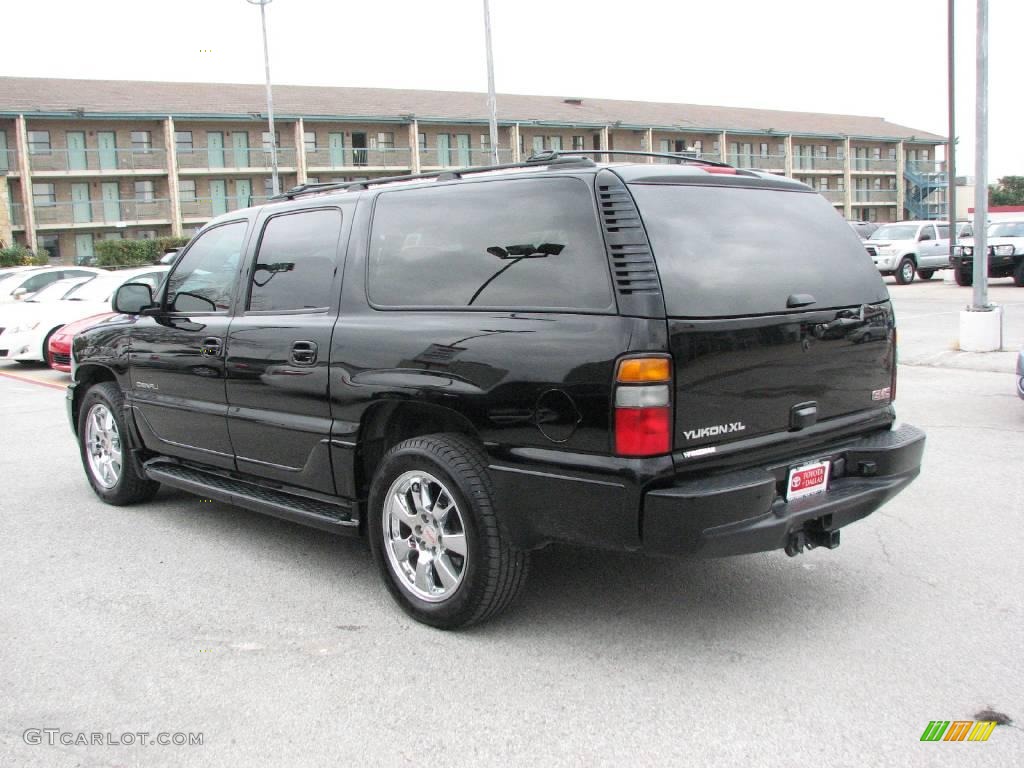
(727, 251)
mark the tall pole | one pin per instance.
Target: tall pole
(951, 147)
(981, 165)
(274, 184)
(492, 99)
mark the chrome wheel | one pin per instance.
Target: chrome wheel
(103, 446)
(424, 536)
(908, 271)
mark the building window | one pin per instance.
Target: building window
(579, 142)
(142, 141)
(877, 184)
(840, 184)
(268, 186)
(821, 151)
(144, 191)
(892, 154)
(44, 194)
(924, 155)
(485, 141)
(187, 190)
(538, 144)
(876, 153)
(145, 234)
(555, 142)
(664, 145)
(840, 152)
(386, 140)
(422, 138)
(50, 244)
(823, 184)
(312, 179)
(309, 138)
(183, 141)
(39, 142)
(763, 150)
(266, 140)
(715, 147)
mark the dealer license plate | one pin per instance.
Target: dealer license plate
(807, 480)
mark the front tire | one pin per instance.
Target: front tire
(105, 452)
(963, 277)
(905, 271)
(1018, 275)
(435, 536)
(925, 274)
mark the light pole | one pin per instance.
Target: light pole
(492, 99)
(274, 185)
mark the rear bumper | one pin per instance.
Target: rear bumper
(745, 511)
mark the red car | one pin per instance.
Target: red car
(60, 342)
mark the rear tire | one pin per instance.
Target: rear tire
(1018, 274)
(925, 274)
(963, 277)
(905, 271)
(435, 535)
(105, 453)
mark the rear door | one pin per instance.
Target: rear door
(775, 311)
(278, 350)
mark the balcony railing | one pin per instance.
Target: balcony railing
(874, 195)
(102, 212)
(866, 164)
(207, 207)
(763, 162)
(17, 215)
(924, 166)
(464, 158)
(832, 195)
(338, 157)
(98, 160)
(8, 160)
(816, 163)
(232, 158)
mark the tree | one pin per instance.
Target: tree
(1009, 190)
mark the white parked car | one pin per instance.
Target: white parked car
(908, 248)
(23, 283)
(26, 327)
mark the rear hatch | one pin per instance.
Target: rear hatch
(777, 318)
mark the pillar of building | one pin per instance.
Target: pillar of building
(605, 143)
(847, 180)
(414, 146)
(515, 143)
(723, 147)
(28, 211)
(173, 191)
(650, 143)
(788, 160)
(300, 152)
(6, 233)
(901, 185)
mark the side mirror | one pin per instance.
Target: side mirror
(132, 298)
(18, 293)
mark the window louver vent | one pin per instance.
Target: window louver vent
(632, 262)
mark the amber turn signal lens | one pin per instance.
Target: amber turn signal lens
(643, 369)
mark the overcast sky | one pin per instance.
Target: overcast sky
(869, 57)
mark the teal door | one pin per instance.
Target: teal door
(5, 164)
(240, 144)
(218, 196)
(83, 249)
(336, 144)
(215, 149)
(462, 142)
(444, 149)
(76, 151)
(80, 206)
(111, 202)
(108, 150)
(243, 193)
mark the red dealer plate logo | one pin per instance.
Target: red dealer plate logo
(807, 479)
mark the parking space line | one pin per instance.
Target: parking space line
(30, 380)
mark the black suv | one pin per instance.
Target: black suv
(464, 366)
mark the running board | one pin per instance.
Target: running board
(318, 513)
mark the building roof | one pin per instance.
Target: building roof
(42, 96)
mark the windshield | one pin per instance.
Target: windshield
(97, 289)
(895, 232)
(1007, 229)
(56, 291)
(727, 251)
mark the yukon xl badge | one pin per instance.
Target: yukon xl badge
(717, 429)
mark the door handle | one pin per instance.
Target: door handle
(211, 347)
(304, 353)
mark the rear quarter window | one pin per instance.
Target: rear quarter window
(511, 244)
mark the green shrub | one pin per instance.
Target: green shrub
(20, 256)
(131, 253)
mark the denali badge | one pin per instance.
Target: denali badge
(718, 429)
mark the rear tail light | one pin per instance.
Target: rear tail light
(643, 406)
(892, 385)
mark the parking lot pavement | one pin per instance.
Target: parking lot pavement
(281, 646)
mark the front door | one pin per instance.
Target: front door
(107, 141)
(462, 143)
(83, 249)
(444, 150)
(215, 149)
(218, 197)
(5, 163)
(279, 414)
(240, 149)
(80, 205)
(76, 151)
(336, 145)
(111, 202)
(359, 147)
(177, 357)
(243, 193)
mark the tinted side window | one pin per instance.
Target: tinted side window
(36, 282)
(943, 232)
(517, 244)
(296, 261)
(204, 279)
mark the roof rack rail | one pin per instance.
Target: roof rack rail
(446, 174)
(557, 153)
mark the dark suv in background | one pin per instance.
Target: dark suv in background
(465, 366)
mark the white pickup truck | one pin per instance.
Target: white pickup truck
(906, 248)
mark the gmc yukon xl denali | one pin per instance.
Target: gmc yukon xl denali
(466, 366)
